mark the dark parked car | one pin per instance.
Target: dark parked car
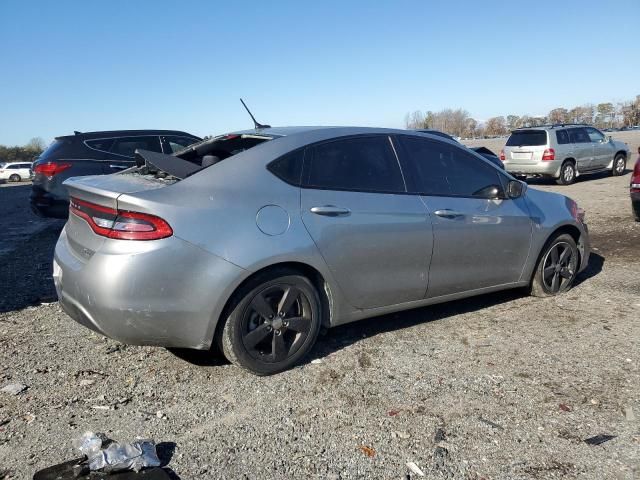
(484, 151)
(635, 189)
(93, 153)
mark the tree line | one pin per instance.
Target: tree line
(460, 124)
(26, 153)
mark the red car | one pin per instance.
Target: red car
(635, 189)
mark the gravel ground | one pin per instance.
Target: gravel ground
(500, 386)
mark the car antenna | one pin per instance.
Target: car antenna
(255, 122)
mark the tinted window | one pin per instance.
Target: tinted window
(578, 135)
(126, 146)
(102, 144)
(529, 138)
(594, 135)
(443, 169)
(563, 137)
(288, 167)
(178, 143)
(365, 164)
(52, 150)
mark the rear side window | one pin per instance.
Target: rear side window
(126, 146)
(445, 170)
(578, 135)
(528, 138)
(101, 144)
(563, 137)
(364, 164)
(288, 167)
(176, 144)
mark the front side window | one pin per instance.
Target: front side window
(578, 135)
(365, 164)
(126, 146)
(445, 170)
(594, 135)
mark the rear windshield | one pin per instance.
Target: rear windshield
(529, 138)
(51, 150)
(219, 148)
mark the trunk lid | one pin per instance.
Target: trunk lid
(102, 191)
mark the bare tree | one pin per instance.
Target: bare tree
(496, 126)
(558, 115)
(36, 144)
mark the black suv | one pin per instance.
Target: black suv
(93, 153)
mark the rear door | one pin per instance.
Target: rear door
(582, 148)
(121, 151)
(375, 238)
(603, 150)
(480, 239)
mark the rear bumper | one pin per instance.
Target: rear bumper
(551, 168)
(45, 204)
(167, 293)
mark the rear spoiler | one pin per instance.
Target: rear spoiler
(174, 166)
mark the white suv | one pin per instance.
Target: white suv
(15, 172)
(563, 152)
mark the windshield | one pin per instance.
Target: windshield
(531, 138)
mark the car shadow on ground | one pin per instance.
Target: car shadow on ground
(582, 178)
(342, 336)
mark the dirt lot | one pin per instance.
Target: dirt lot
(501, 386)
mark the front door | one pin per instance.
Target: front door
(375, 238)
(481, 238)
(603, 150)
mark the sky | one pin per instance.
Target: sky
(120, 64)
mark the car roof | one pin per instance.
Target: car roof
(123, 133)
(324, 131)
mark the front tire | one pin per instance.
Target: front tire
(557, 267)
(273, 323)
(567, 173)
(619, 165)
(15, 178)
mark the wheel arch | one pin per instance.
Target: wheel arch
(304, 269)
(621, 152)
(569, 229)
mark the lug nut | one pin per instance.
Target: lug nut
(269, 328)
(282, 314)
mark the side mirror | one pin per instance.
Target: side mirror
(491, 192)
(516, 188)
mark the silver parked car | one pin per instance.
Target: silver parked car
(563, 152)
(254, 240)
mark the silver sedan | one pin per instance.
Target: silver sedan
(251, 242)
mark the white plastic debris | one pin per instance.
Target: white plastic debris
(106, 456)
(315, 361)
(14, 388)
(415, 469)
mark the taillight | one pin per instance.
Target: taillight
(50, 168)
(549, 154)
(635, 178)
(120, 224)
(502, 156)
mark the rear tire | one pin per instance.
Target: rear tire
(557, 267)
(567, 173)
(273, 322)
(15, 177)
(635, 208)
(619, 165)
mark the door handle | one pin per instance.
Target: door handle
(331, 211)
(446, 213)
